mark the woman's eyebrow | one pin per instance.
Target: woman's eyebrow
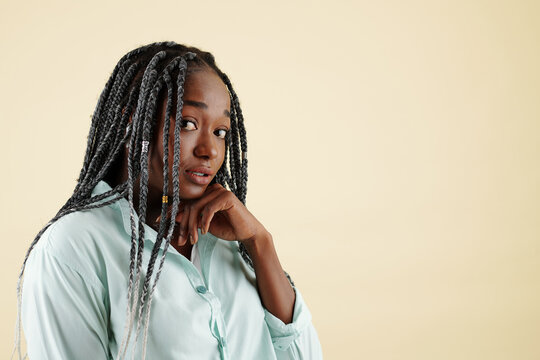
(197, 104)
(201, 105)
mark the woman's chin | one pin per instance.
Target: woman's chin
(192, 195)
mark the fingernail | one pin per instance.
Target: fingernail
(191, 239)
(182, 241)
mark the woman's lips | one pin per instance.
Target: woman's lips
(198, 179)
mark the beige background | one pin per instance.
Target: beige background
(393, 147)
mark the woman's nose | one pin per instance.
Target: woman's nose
(206, 146)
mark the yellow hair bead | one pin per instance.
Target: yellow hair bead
(165, 199)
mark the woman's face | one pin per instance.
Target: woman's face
(205, 121)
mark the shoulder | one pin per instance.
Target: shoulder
(80, 239)
(81, 229)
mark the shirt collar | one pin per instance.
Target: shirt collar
(206, 241)
(149, 233)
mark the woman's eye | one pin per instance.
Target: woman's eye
(191, 125)
(221, 133)
(188, 125)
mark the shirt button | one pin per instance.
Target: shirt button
(201, 289)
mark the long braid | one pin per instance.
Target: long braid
(162, 224)
(242, 161)
(223, 177)
(114, 113)
(143, 188)
(86, 184)
(176, 184)
(120, 131)
(238, 163)
(137, 249)
(149, 114)
(235, 154)
(162, 227)
(134, 132)
(96, 117)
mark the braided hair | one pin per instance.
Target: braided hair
(134, 88)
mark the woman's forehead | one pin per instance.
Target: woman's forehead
(204, 91)
(203, 86)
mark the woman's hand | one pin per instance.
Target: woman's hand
(219, 212)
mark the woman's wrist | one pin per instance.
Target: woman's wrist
(257, 244)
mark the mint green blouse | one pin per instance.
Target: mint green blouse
(74, 297)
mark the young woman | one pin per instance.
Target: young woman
(165, 165)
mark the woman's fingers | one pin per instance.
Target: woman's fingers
(197, 209)
(192, 224)
(220, 203)
(195, 214)
(183, 225)
(206, 219)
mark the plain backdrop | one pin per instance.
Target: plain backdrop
(393, 153)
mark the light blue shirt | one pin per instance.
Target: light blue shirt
(74, 297)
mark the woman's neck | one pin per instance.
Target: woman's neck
(153, 201)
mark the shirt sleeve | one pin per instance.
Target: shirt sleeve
(64, 312)
(297, 340)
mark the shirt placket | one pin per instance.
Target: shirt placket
(217, 322)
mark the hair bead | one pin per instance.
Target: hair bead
(144, 146)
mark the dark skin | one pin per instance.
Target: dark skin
(212, 208)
